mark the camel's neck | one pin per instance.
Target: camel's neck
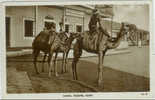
(116, 43)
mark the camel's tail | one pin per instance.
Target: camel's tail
(33, 49)
(34, 45)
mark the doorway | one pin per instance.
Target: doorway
(7, 21)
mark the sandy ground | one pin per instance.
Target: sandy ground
(17, 82)
(115, 79)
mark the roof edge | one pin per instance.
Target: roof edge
(88, 6)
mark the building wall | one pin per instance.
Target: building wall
(86, 21)
(74, 21)
(57, 13)
(139, 35)
(86, 15)
(17, 15)
(75, 16)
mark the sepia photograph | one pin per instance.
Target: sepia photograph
(77, 48)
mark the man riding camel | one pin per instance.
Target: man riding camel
(94, 21)
(95, 28)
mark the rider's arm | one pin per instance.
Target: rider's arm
(99, 21)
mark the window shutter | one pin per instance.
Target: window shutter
(28, 28)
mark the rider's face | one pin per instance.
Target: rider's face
(53, 28)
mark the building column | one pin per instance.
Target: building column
(137, 38)
(83, 24)
(64, 18)
(36, 20)
(111, 25)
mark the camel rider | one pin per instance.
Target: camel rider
(61, 26)
(95, 18)
(62, 34)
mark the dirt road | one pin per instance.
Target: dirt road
(114, 80)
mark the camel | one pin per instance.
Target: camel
(62, 37)
(58, 47)
(40, 43)
(43, 42)
(98, 44)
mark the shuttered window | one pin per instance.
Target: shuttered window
(78, 28)
(29, 28)
(66, 28)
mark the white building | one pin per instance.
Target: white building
(23, 23)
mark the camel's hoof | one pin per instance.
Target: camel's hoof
(37, 72)
(74, 78)
(100, 84)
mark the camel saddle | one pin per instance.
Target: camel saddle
(91, 40)
(94, 41)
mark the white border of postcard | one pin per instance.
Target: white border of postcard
(98, 95)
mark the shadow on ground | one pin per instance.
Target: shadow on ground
(114, 80)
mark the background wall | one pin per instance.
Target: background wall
(17, 15)
(57, 13)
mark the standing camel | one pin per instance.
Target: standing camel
(98, 45)
(43, 42)
(40, 43)
(63, 37)
(57, 47)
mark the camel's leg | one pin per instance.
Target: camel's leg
(73, 67)
(43, 62)
(74, 63)
(55, 64)
(66, 61)
(49, 59)
(62, 70)
(76, 77)
(100, 69)
(77, 54)
(50, 63)
(103, 66)
(35, 55)
(103, 55)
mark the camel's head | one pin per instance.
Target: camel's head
(123, 30)
(53, 27)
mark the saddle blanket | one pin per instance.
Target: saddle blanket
(91, 41)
